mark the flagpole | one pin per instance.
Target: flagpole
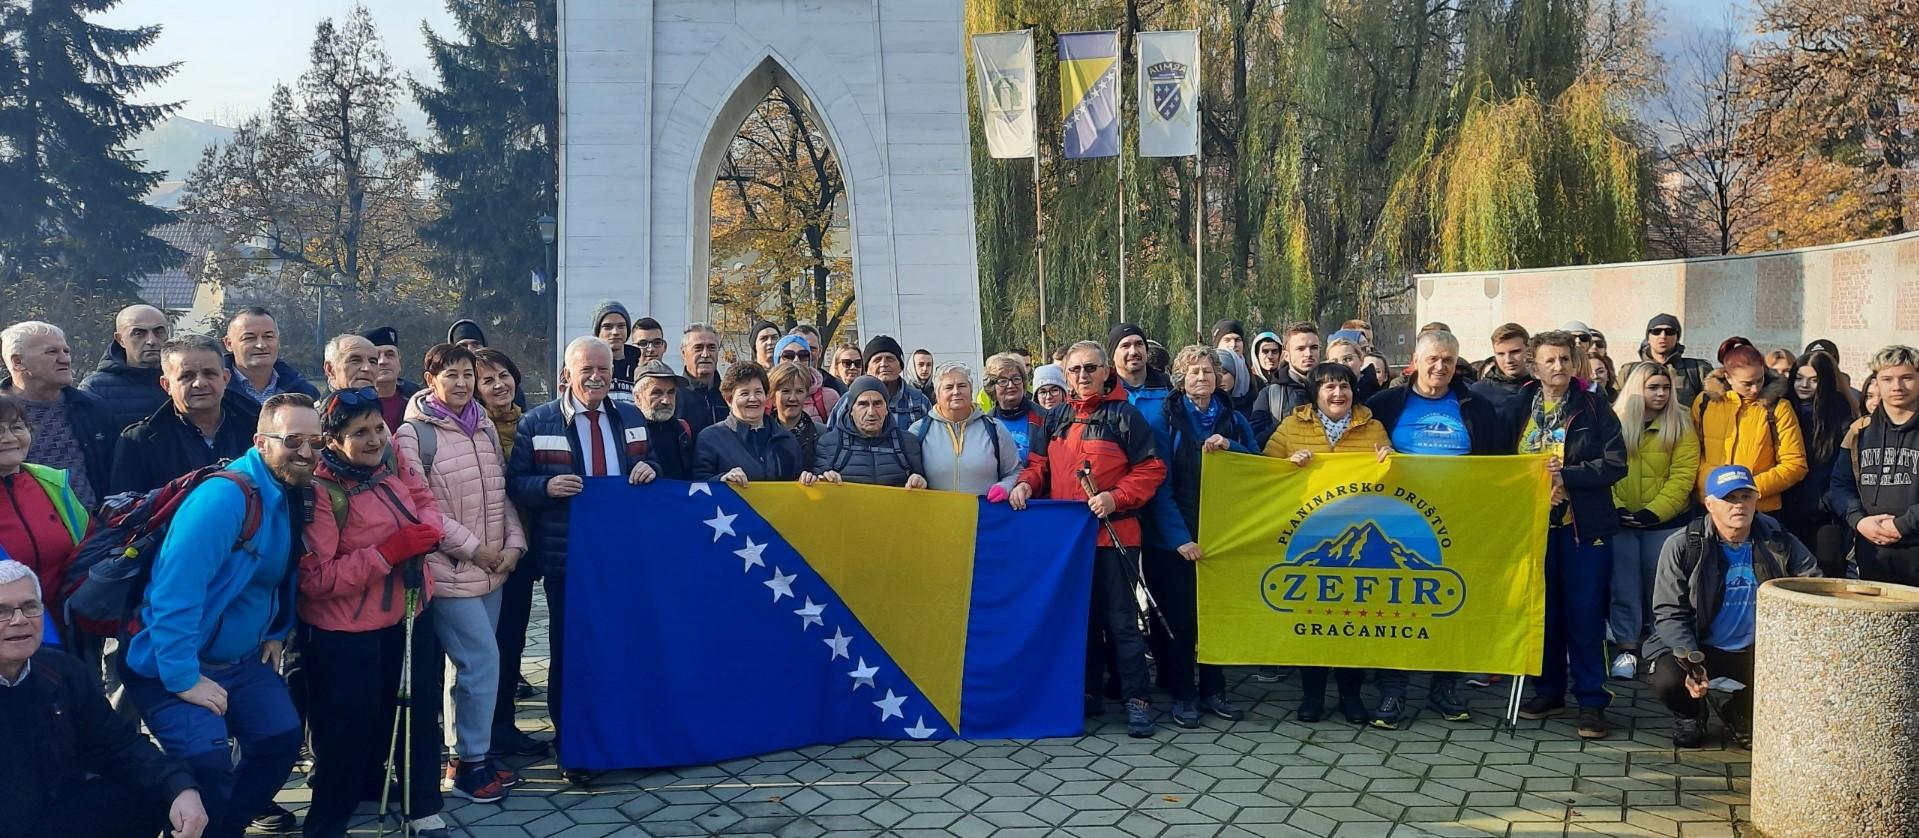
(1199, 242)
(1039, 240)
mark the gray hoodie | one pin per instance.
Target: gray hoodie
(971, 455)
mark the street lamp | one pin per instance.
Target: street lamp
(311, 279)
(549, 228)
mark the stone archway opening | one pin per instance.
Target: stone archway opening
(779, 243)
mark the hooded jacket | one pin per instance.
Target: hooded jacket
(166, 445)
(547, 445)
(1658, 479)
(909, 405)
(886, 459)
(1762, 435)
(1262, 377)
(1302, 431)
(1689, 581)
(1689, 374)
(820, 399)
(1878, 474)
(768, 453)
(345, 584)
(1497, 388)
(201, 605)
(87, 417)
(1175, 507)
(285, 379)
(1110, 436)
(1594, 459)
(972, 455)
(468, 482)
(128, 393)
(1285, 393)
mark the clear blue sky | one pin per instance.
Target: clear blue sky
(234, 50)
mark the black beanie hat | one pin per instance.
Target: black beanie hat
(1119, 332)
(1665, 320)
(883, 345)
(382, 336)
(1228, 327)
(761, 326)
(465, 330)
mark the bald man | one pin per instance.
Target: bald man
(128, 377)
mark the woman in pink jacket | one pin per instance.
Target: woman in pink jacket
(373, 524)
(448, 434)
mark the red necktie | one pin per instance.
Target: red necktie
(599, 445)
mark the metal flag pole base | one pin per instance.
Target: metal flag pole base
(1512, 706)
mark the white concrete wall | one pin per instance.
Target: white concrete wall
(1861, 295)
(651, 89)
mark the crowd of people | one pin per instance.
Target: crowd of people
(358, 546)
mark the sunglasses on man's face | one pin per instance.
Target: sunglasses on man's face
(1084, 369)
(1662, 331)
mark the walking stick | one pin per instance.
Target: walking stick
(414, 579)
(1085, 475)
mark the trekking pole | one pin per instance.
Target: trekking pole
(414, 579)
(1085, 475)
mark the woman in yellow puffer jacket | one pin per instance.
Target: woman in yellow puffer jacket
(1662, 463)
(1744, 418)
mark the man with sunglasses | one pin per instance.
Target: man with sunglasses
(1662, 346)
(205, 665)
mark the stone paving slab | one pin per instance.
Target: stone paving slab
(1268, 775)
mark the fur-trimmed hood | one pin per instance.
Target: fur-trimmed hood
(1775, 387)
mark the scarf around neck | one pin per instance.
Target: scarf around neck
(1207, 420)
(346, 470)
(1335, 428)
(468, 418)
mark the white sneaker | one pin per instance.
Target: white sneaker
(1625, 667)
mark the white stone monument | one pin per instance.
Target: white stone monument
(651, 93)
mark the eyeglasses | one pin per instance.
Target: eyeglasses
(1084, 369)
(651, 343)
(1664, 331)
(297, 442)
(1014, 381)
(796, 356)
(16, 429)
(31, 611)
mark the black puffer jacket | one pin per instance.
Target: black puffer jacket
(1595, 455)
(129, 393)
(165, 445)
(1691, 372)
(887, 459)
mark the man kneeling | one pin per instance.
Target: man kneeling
(1705, 598)
(56, 729)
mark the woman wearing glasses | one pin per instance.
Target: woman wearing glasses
(848, 363)
(819, 399)
(41, 520)
(1016, 411)
(374, 522)
(481, 545)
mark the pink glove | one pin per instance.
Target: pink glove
(997, 494)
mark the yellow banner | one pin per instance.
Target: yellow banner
(1424, 563)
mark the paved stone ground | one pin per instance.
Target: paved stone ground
(1267, 775)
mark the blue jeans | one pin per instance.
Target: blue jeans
(1577, 575)
(259, 716)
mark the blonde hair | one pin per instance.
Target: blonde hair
(1674, 423)
(785, 371)
(1189, 356)
(1006, 362)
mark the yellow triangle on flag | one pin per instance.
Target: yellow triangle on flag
(901, 560)
(1076, 78)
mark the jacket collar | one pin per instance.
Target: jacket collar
(1775, 386)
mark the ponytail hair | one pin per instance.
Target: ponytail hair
(1738, 352)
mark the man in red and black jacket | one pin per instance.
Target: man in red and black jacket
(1098, 430)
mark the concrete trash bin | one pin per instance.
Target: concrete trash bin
(1835, 747)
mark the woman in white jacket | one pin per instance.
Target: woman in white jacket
(964, 449)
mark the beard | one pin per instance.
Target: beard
(664, 414)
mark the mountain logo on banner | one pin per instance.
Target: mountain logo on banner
(1169, 79)
(1374, 552)
(1008, 101)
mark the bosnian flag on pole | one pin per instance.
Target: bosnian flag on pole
(1003, 72)
(1089, 93)
(1169, 93)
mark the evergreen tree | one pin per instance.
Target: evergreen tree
(74, 212)
(492, 155)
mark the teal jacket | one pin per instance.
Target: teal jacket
(209, 602)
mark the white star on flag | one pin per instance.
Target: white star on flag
(781, 585)
(839, 641)
(863, 676)
(751, 554)
(721, 523)
(919, 730)
(699, 489)
(890, 706)
(810, 615)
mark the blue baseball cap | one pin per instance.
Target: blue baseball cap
(1725, 480)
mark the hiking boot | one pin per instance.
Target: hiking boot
(514, 742)
(478, 782)
(1592, 723)
(1311, 708)
(1354, 709)
(1139, 718)
(1541, 707)
(1391, 713)
(1689, 731)
(1219, 705)
(1185, 714)
(1446, 702)
(1625, 666)
(276, 820)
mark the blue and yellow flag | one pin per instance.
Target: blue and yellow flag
(705, 623)
(1415, 563)
(1089, 93)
